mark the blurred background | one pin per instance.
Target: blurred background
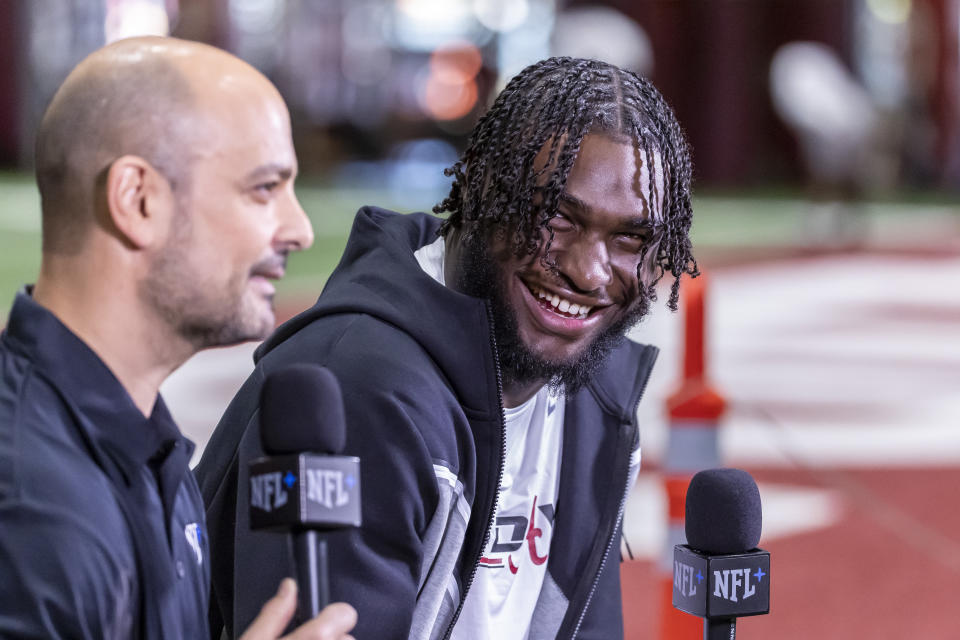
(826, 144)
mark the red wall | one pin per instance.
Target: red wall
(12, 63)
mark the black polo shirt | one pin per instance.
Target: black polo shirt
(101, 523)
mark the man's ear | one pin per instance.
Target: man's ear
(138, 201)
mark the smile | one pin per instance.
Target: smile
(561, 306)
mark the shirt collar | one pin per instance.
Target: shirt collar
(113, 421)
(431, 256)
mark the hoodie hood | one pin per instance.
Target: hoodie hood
(379, 276)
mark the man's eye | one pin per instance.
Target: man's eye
(560, 222)
(267, 187)
(633, 241)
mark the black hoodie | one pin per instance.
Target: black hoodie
(418, 366)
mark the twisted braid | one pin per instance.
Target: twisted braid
(497, 189)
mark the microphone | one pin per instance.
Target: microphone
(303, 486)
(720, 574)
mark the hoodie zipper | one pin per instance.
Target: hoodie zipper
(620, 510)
(503, 455)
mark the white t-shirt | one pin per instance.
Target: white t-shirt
(507, 584)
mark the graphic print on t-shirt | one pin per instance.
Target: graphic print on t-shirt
(519, 538)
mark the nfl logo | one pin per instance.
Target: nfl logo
(194, 534)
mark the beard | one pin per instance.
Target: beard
(203, 314)
(482, 277)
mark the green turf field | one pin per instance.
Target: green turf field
(19, 235)
(722, 221)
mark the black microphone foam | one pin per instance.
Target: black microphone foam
(723, 513)
(301, 409)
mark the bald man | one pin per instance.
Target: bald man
(166, 173)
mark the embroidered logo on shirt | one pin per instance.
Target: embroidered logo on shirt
(194, 535)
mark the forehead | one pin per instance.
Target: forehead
(618, 177)
(243, 123)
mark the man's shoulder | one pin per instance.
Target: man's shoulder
(619, 383)
(360, 348)
(383, 371)
(386, 377)
(32, 421)
(71, 569)
(45, 463)
(63, 534)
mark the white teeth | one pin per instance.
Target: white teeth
(564, 306)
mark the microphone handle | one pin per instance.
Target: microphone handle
(720, 629)
(313, 578)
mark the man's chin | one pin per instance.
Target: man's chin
(262, 328)
(258, 317)
(565, 367)
(552, 357)
(237, 329)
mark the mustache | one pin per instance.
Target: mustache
(272, 267)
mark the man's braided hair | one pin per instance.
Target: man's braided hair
(558, 101)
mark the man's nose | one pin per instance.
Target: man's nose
(295, 232)
(586, 264)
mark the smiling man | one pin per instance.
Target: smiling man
(490, 392)
(165, 171)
